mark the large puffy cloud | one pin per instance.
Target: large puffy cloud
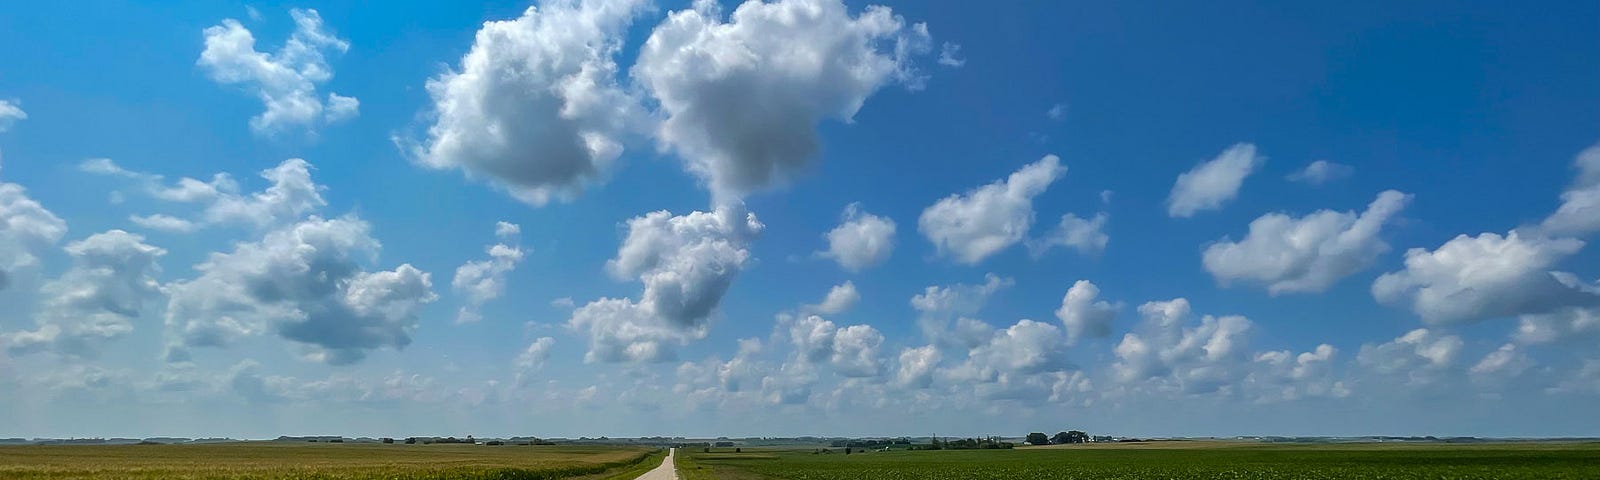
(1087, 236)
(1211, 184)
(286, 81)
(480, 281)
(861, 240)
(1027, 347)
(1167, 350)
(1487, 276)
(535, 106)
(686, 263)
(972, 226)
(304, 282)
(26, 230)
(1580, 204)
(1084, 314)
(852, 351)
(1306, 254)
(10, 113)
(917, 366)
(742, 97)
(98, 299)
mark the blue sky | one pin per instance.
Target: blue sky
(1375, 217)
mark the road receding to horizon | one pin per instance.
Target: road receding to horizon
(667, 471)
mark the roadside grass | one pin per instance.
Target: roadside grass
(1165, 460)
(631, 472)
(276, 461)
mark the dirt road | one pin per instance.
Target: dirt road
(664, 472)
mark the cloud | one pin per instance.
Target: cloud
(1321, 172)
(937, 306)
(1084, 314)
(534, 107)
(290, 196)
(1282, 376)
(1420, 355)
(532, 358)
(862, 240)
(1088, 237)
(164, 223)
(741, 98)
(950, 55)
(27, 229)
(97, 299)
(852, 351)
(1211, 184)
(483, 280)
(972, 226)
(840, 298)
(1056, 112)
(1306, 254)
(1028, 347)
(10, 114)
(1579, 212)
(286, 81)
(1501, 364)
(686, 263)
(1487, 276)
(1167, 351)
(1563, 324)
(917, 366)
(305, 283)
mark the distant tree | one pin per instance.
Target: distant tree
(388, 440)
(738, 450)
(1077, 436)
(1059, 438)
(1038, 438)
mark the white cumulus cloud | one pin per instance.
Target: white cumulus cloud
(1487, 276)
(97, 299)
(1320, 172)
(1305, 254)
(1579, 212)
(306, 283)
(741, 97)
(1211, 184)
(535, 106)
(972, 226)
(840, 298)
(286, 80)
(1083, 313)
(686, 263)
(480, 281)
(1087, 236)
(27, 229)
(862, 240)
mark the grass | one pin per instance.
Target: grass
(274, 461)
(1164, 460)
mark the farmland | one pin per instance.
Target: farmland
(1163, 460)
(273, 461)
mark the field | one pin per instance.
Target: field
(273, 461)
(1162, 460)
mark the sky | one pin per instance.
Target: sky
(799, 217)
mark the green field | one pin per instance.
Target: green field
(268, 460)
(1167, 460)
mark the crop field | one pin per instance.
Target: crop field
(273, 461)
(1170, 460)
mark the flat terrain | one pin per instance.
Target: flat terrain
(1162, 460)
(269, 460)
